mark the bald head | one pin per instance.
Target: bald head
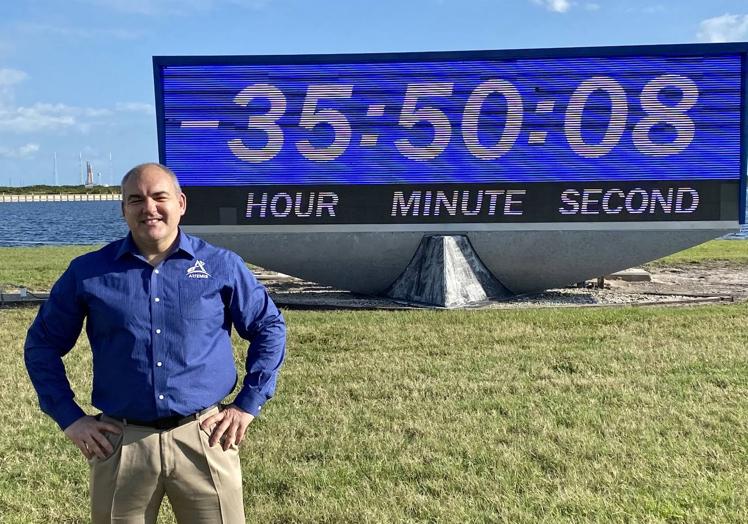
(152, 205)
(136, 171)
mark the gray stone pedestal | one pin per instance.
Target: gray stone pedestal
(446, 272)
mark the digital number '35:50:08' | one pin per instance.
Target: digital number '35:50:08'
(412, 112)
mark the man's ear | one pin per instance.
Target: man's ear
(182, 203)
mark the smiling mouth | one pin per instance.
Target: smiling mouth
(151, 221)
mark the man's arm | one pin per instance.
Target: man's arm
(257, 320)
(51, 336)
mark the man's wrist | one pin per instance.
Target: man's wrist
(67, 415)
(250, 401)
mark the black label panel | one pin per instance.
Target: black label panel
(630, 201)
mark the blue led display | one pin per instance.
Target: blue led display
(453, 121)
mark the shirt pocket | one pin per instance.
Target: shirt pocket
(199, 299)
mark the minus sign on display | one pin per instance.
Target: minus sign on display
(199, 123)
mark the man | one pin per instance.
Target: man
(159, 306)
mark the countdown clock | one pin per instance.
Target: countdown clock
(332, 167)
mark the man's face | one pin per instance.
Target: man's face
(152, 208)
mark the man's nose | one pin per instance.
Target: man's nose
(150, 205)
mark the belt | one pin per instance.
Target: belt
(166, 423)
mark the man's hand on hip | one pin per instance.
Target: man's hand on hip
(88, 434)
(228, 426)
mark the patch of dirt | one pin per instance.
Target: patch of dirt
(669, 285)
(711, 279)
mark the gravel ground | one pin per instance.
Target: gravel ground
(668, 286)
(680, 285)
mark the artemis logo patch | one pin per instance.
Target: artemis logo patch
(198, 270)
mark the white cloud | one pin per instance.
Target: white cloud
(39, 117)
(724, 28)
(44, 117)
(23, 151)
(557, 6)
(50, 117)
(135, 107)
(9, 77)
(28, 149)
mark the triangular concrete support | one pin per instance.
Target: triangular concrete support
(446, 272)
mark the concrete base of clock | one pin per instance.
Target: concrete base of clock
(446, 272)
(524, 257)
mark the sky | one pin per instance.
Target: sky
(76, 76)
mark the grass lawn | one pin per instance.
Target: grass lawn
(730, 252)
(550, 415)
(38, 267)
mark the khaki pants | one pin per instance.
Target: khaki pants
(203, 484)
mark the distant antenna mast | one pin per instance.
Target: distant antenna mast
(111, 172)
(80, 166)
(54, 169)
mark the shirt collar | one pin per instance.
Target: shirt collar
(128, 246)
(185, 244)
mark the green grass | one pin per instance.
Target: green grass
(567, 415)
(552, 415)
(38, 267)
(730, 252)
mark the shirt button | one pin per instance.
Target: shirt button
(155, 271)
(159, 364)
(158, 331)
(161, 397)
(157, 299)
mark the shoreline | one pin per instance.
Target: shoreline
(58, 197)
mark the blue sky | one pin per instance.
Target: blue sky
(76, 75)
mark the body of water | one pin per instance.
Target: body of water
(56, 223)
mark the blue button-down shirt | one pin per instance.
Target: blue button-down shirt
(160, 336)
